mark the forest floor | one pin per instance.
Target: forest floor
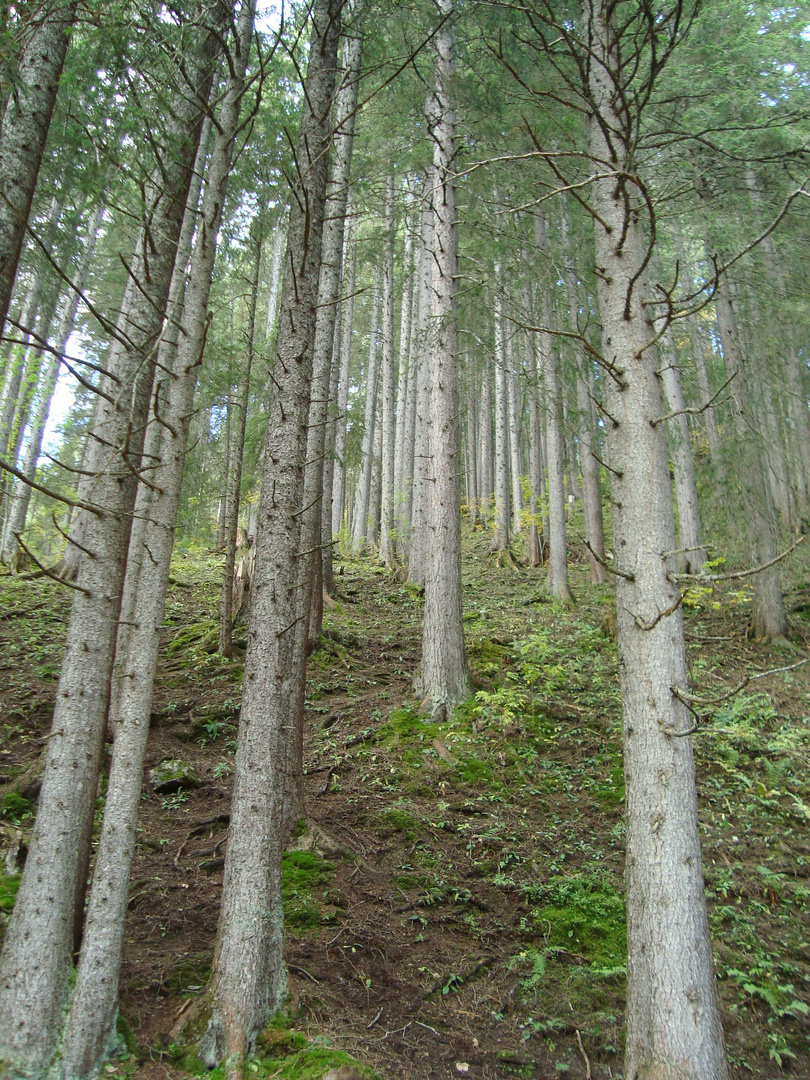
(454, 900)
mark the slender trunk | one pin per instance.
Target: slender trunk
(709, 416)
(535, 539)
(362, 503)
(25, 124)
(249, 979)
(691, 554)
(387, 402)
(404, 383)
(154, 432)
(279, 240)
(555, 462)
(673, 1025)
(421, 436)
(500, 539)
(375, 498)
(22, 493)
(444, 679)
(769, 617)
(90, 1025)
(328, 297)
(36, 957)
(591, 476)
(339, 479)
(237, 456)
(225, 482)
(514, 414)
(21, 336)
(471, 443)
(486, 482)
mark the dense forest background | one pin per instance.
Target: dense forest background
(405, 458)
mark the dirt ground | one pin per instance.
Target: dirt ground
(454, 898)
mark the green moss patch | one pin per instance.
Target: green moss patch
(304, 875)
(584, 915)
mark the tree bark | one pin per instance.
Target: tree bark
(363, 500)
(673, 1026)
(444, 679)
(328, 299)
(387, 388)
(237, 456)
(339, 479)
(769, 616)
(249, 979)
(421, 376)
(25, 124)
(500, 538)
(36, 958)
(22, 492)
(691, 554)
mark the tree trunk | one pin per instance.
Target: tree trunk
(500, 539)
(22, 493)
(444, 679)
(421, 376)
(36, 958)
(769, 617)
(363, 501)
(237, 456)
(691, 554)
(22, 336)
(404, 384)
(26, 120)
(90, 1026)
(673, 1026)
(339, 479)
(328, 298)
(249, 979)
(709, 417)
(387, 402)
(514, 414)
(279, 240)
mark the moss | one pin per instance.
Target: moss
(401, 724)
(473, 771)
(398, 819)
(14, 807)
(611, 793)
(9, 884)
(583, 914)
(303, 874)
(173, 775)
(125, 1033)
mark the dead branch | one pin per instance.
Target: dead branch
(739, 573)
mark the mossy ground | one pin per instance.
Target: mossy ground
(458, 895)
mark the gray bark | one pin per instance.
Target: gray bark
(500, 539)
(673, 1025)
(25, 124)
(36, 958)
(237, 455)
(249, 979)
(22, 491)
(328, 298)
(363, 500)
(387, 388)
(692, 554)
(769, 617)
(339, 478)
(444, 679)
(404, 385)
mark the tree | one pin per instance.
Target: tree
(443, 679)
(25, 123)
(249, 979)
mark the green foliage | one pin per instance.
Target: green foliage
(583, 914)
(303, 875)
(14, 807)
(9, 884)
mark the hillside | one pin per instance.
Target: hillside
(454, 898)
